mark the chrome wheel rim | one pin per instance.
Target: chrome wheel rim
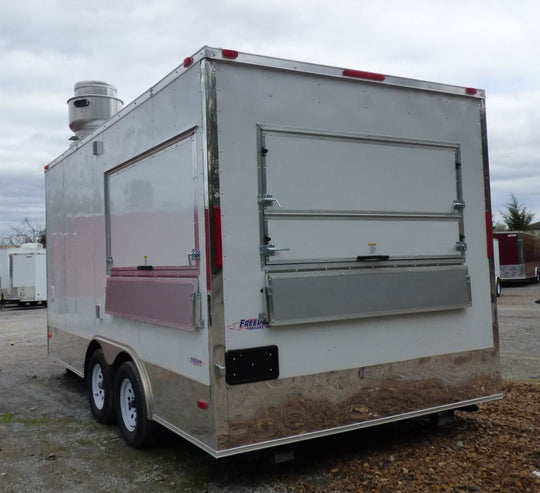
(127, 405)
(98, 392)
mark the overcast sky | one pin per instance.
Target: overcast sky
(48, 45)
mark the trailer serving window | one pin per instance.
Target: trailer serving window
(327, 197)
(151, 235)
(358, 226)
(151, 208)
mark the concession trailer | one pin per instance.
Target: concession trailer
(258, 251)
(519, 255)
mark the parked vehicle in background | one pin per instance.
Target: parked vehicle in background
(519, 255)
(497, 267)
(260, 251)
(23, 274)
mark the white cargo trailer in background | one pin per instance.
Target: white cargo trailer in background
(4, 269)
(259, 251)
(23, 272)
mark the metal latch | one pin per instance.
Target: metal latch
(219, 368)
(461, 246)
(458, 205)
(198, 322)
(267, 199)
(194, 257)
(270, 250)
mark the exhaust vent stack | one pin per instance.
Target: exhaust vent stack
(94, 103)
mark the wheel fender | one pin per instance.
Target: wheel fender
(115, 352)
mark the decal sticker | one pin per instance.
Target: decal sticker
(372, 248)
(248, 324)
(196, 361)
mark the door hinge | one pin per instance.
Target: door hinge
(194, 257)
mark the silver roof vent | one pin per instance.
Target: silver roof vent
(93, 104)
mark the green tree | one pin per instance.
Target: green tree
(517, 217)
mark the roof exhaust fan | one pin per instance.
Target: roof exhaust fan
(94, 103)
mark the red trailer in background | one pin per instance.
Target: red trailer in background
(519, 255)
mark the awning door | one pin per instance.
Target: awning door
(334, 198)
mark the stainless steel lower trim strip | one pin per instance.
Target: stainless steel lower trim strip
(351, 427)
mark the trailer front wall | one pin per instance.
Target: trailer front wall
(116, 226)
(452, 352)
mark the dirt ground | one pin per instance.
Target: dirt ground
(49, 441)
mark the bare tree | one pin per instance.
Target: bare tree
(25, 232)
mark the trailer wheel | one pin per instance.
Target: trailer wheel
(130, 405)
(498, 289)
(99, 386)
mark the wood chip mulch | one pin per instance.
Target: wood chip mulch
(495, 449)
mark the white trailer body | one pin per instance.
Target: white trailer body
(4, 269)
(29, 276)
(278, 250)
(23, 272)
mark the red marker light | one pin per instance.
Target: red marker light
(471, 91)
(489, 234)
(218, 245)
(360, 74)
(188, 61)
(202, 404)
(231, 54)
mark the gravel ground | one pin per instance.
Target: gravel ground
(519, 331)
(49, 441)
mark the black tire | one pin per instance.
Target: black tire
(100, 387)
(498, 288)
(130, 406)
